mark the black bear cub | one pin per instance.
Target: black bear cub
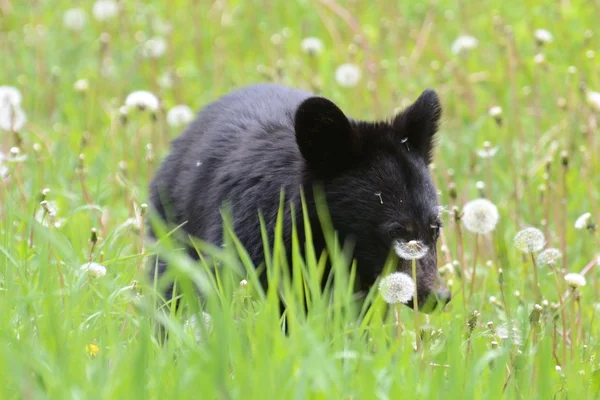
(247, 146)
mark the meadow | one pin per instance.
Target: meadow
(520, 88)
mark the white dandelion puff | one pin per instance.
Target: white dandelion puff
(529, 240)
(539, 58)
(104, 10)
(12, 118)
(543, 36)
(412, 250)
(549, 256)
(3, 167)
(480, 216)
(488, 151)
(575, 280)
(495, 111)
(93, 269)
(143, 100)
(191, 326)
(593, 99)
(312, 45)
(81, 85)
(180, 115)
(397, 288)
(10, 95)
(74, 19)
(464, 43)
(155, 47)
(348, 75)
(583, 221)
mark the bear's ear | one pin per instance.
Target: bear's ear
(418, 124)
(324, 134)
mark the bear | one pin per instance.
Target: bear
(244, 148)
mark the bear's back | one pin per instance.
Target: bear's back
(241, 149)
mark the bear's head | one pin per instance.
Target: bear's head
(378, 188)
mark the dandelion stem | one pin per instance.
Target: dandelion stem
(416, 305)
(461, 255)
(562, 314)
(535, 277)
(474, 266)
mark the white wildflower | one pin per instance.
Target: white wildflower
(165, 80)
(539, 58)
(81, 85)
(10, 96)
(180, 115)
(575, 280)
(593, 99)
(143, 100)
(93, 269)
(583, 221)
(495, 111)
(488, 151)
(464, 43)
(74, 19)
(105, 9)
(348, 75)
(312, 45)
(480, 216)
(549, 256)
(543, 36)
(412, 250)
(529, 240)
(397, 288)
(512, 332)
(12, 117)
(191, 326)
(155, 47)
(3, 167)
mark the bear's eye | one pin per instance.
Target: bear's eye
(436, 230)
(399, 231)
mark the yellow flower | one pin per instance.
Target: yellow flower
(92, 349)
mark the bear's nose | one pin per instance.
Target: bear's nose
(443, 296)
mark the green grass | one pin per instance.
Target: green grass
(50, 312)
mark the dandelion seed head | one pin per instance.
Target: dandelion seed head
(10, 95)
(312, 45)
(543, 36)
(539, 58)
(93, 269)
(463, 44)
(397, 288)
(529, 240)
(155, 47)
(180, 115)
(575, 280)
(549, 256)
(512, 332)
(348, 75)
(412, 250)
(583, 221)
(74, 19)
(81, 85)
(488, 151)
(143, 100)
(104, 10)
(480, 216)
(191, 326)
(12, 118)
(495, 111)
(593, 99)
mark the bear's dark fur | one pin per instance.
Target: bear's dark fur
(248, 145)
